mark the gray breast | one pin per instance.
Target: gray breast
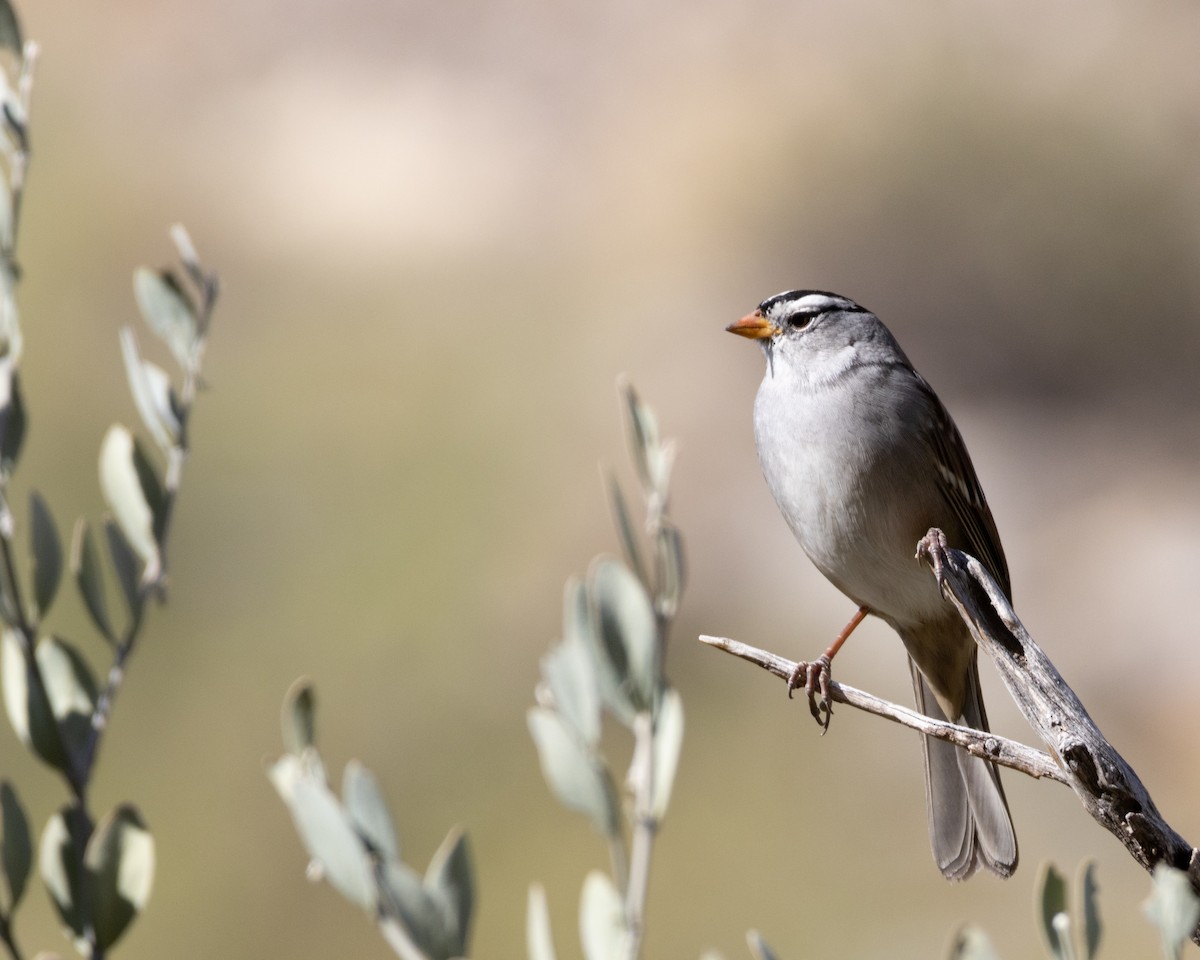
(847, 480)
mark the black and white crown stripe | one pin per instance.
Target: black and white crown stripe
(805, 303)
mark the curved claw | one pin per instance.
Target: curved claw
(816, 676)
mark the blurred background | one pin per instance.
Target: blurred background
(443, 230)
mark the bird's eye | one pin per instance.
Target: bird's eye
(798, 321)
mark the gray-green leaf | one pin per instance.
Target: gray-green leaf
(602, 929)
(577, 619)
(368, 811)
(89, 577)
(70, 689)
(127, 565)
(624, 525)
(1173, 908)
(1089, 908)
(451, 878)
(299, 720)
(539, 942)
(60, 853)
(168, 312)
(668, 741)
(47, 552)
(333, 844)
(10, 28)
(574, 775)
(124, 489)
(1052, 903)
(625, 624)
(120, 872)
(152, 394)
(971, 943)
(16, 847)
(570, 673)
(671, 571)
(758, 946)
(27, 702)
(579, 626)
(644, 444)
(152, 488)
(423, 914)
(12, 416)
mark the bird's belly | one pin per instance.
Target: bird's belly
(874, 567)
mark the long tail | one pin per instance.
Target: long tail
(969, 823)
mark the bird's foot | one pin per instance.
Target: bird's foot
(814, 676)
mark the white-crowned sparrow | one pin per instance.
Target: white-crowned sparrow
(863, 459)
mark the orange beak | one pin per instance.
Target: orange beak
(754, 326)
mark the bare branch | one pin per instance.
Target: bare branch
(1001, 750)
(1105, 783)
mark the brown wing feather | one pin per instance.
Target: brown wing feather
(962, 491)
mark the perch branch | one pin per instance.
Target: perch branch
(1105, 783)
(1001, 750)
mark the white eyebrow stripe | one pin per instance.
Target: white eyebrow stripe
(818, 302)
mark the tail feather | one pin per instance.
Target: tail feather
(969, 823)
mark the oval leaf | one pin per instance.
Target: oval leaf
(59, 856)
(325, 831)
(642, 429)
(27, 702)
(539, 942)
(300, 717)
(10, 29)
(971, 943)
(187, 252)
(70, 689)
(575, 777)
(12, 416)
(668, 741)
(167, 311)
(570, 674)
(601, 919)
(16, 847)
(1089, 908)
(621, 518)
(368, 811)
(452, 881)
(671, 571)
(127, 566)
(121, 482)
(1172, 907)
(47, 553)
(627, 629)
(423, 915)
(1052, 903)
(577, 618)
(89, 577)
(120, 872)
(152, 488)
(152, 395)
(579, 626)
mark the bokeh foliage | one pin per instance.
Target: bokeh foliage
(98, 871)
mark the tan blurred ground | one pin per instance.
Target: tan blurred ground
(443, 230)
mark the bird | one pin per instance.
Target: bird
(863, 459)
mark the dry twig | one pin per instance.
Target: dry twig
(1104, 782)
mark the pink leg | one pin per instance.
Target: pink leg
(817, 673)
